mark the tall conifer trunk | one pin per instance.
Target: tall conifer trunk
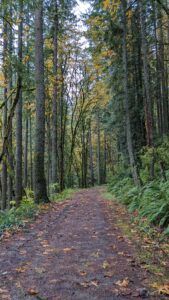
(54, 132)
(18, 171)
(40, 192)
(126, 94)
(4, 163)
(10, 148)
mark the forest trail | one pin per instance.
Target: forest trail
(72, 251)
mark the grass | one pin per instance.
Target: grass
(65, 195)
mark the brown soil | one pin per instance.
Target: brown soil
(73, 251)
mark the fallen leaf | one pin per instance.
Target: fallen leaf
(123, 283)
(82, 273)
(109, 274)
(32, 291)
(106, 264)
(40, 270)
(21, 269)
(159, 274)
(84, 284)
(3, 291)
(18, 284)
(95, 283)
(162, 288)
(67, 250)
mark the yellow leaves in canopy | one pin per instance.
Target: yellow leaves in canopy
(29, 106)
(49, 63)
(2, 81)
(48, 43)
(95, 21)
(111, 6)
(26, 59)
(100, 93)
(107, 53)
(129, 13)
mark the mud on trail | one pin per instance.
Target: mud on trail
(73, 251)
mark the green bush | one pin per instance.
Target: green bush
(59, 197)
(151, 201)
(16, 216)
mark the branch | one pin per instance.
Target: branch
(165, 8)
(9, 122)
(3, 103)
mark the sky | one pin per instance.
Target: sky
(81, 8)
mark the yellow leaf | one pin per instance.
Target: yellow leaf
(162, 289)
(82, 273)
(105, 265)
(67, 250)
(123, 283)
(33, 291)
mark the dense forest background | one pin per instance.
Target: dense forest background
(85, 102)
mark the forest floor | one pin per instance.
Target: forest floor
(76, 250)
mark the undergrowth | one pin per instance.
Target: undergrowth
(150, 202)
(64, 195)
(17, 217)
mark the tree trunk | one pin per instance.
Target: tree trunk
(31, 152)
(98, 150)
(40, 192)
(91, 157)
(128, 125)
(26, 154)
(10, 148)
(62, 133)
(4, 163)
(18, 171)
(55, 96)
(148, 100)
(105, 158)
(163, 77)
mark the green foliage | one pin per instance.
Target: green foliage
(66, 194)
(119, 187)
(54, 188)
(16, 216)
(27, 210)
(160, 154)
(150, 201)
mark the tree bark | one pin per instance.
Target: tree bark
(55, 98)
(126, 94)
(98, 150)
(40, 191)
(18, 171)
(26, 154)
(91, 157)
(4, 163)
(10, 148)
(148, 100)
(31, 152)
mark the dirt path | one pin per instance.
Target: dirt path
(74, 251)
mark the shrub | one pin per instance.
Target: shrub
(151, 201)
(16, 216)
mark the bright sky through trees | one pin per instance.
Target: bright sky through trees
(81, 8)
